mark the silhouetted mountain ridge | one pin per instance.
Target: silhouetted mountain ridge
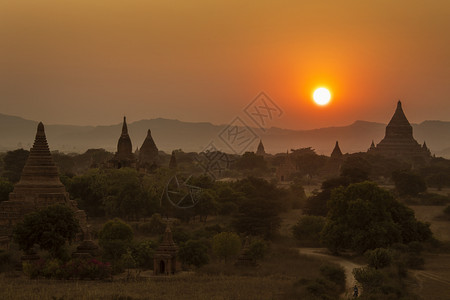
(17, 132)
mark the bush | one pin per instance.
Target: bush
(142, 253)
(258, 249)
(370, 279)
(379, 258)
(154, 226)
(194, 252)
(226, 245)
(114, 238)
(73, 269)
(334, 273)
(308, 228)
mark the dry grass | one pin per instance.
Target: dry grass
(173, 287)
(433, 215)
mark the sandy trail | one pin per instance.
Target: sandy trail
(346, 264)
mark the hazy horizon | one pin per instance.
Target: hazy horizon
(84, 62)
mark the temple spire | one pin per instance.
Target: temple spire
(124, 126)
(260, 150)
(337, 153)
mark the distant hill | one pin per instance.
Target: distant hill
(16, 132)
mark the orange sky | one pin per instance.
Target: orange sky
(91, 62)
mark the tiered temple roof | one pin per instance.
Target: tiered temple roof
(399, 140)
(39, 187)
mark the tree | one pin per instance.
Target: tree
(115, 237)
(363, 216)
(14, 161)
(408, 183)
(308, 228)
(250, 161)
(259, 210)
(6, 187)
(49, 228)
(226, 245)
(194, 252)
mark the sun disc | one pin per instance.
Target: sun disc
(322, 96)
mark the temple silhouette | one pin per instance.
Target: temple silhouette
(39, 186)
(398, 141)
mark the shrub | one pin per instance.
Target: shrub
(142, 253)
(370, 279)
(258, 249)
(334, 273)
(379, 258)
(226, 245)
(156, 225)
(308, 228)
(194, 252)
(114, 238)
(73, 269)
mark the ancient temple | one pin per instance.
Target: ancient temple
(286, 168)
(148, 153)
(124, 157)
(398, 140)
(39, 187)
(245, 259)
(337, 153)
(260, 150)
(165, 258)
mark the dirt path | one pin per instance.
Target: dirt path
(346, 264)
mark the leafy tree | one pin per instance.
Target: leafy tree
(14, 161)
(356, 168)
(49, 228)
(89, 190)
(408, 183)
(142, 254)
(258, 212)
(206, 204)
(194, 252)
(317, 203)
(6, 187)
(363, 216)
(115, 237)
(308, 228)
(257, 249)
(226, 245)
(379, 258)
(250, 161)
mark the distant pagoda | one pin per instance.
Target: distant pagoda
(260, 150)
(124, 156)
(398, 140)
(337, 153)
(148, 153)
(286, 169)
(165, 258)
(39, 187)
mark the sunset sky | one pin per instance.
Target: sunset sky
(91, 62)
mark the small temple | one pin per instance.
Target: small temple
(39, 186)
(260, 150)
(337, 153)
(165, 258)
(124, 157)
(398, 140)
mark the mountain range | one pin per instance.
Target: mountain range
(16, 132)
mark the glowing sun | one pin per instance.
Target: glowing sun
(322, 96)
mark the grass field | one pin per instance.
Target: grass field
(181, 286)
